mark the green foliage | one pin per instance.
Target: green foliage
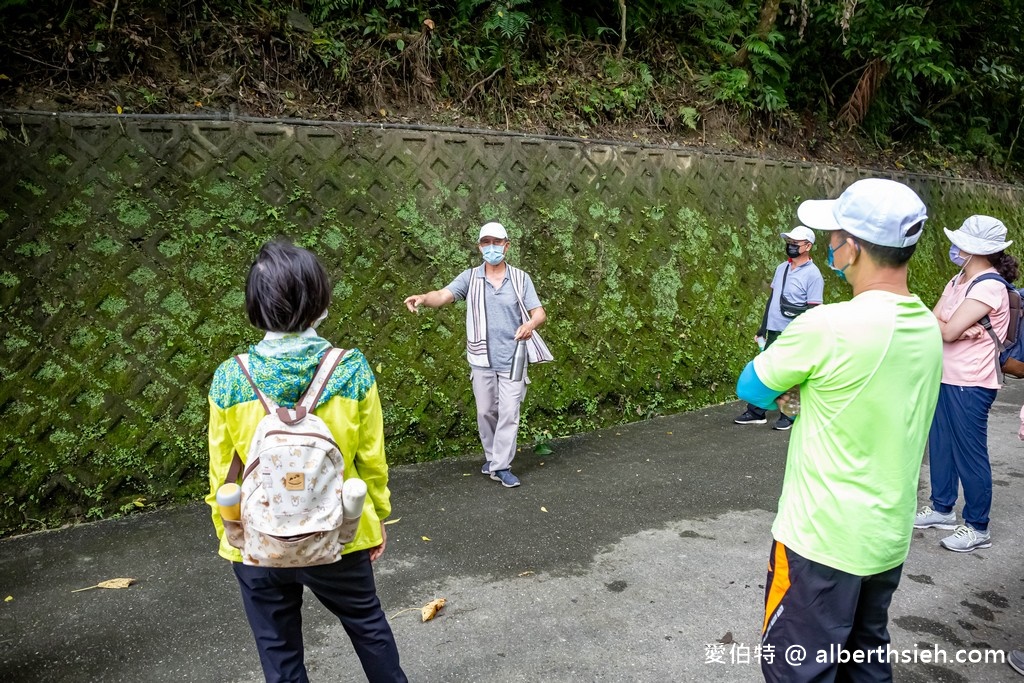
(952, 77)
(724, 28)
(507, 20)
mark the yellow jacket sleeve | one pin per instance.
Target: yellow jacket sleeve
(222, 449)
(370, 462)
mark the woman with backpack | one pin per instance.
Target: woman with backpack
(287, 294)
(958, 440)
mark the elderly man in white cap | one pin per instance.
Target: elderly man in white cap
(866, 374)
(796, 287)
(971, 375)
(502, 310)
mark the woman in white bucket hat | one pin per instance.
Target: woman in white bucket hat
(958, 440)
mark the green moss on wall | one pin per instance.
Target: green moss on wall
(123, 289)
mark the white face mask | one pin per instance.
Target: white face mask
(319, 320)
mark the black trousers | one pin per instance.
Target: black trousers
(820, 621)
(769, 337)
(273, 605)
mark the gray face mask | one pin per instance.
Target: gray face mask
(792, 250)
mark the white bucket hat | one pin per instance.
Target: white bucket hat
(981, 235)
(877, 210)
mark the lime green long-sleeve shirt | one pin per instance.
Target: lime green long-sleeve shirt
(350, 406)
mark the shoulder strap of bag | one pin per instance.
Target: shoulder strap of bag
(987, 323)
(328, 364)
(782, 291)
(243, 362)
(234, 469)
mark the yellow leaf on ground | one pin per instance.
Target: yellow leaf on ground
(425, 538)
(430, 610)
(110, 583)
(119, 110)
(396, 520)
(8, 598)
(543, 509)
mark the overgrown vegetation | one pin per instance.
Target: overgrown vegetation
(923, 84)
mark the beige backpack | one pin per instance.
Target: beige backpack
(291, 506)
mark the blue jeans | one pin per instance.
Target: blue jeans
(273, 605)
(958, 452)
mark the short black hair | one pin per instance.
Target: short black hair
(287, 288)
(888, 257)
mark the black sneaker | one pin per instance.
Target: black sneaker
(748, 418)
(783, 423)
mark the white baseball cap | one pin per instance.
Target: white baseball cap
(981, 235)
(800, 234)
(879, 211)
(493, 230)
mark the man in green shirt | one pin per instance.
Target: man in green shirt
(865, 374)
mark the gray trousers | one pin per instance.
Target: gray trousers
(497, 415)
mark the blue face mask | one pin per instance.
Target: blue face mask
(956, 257)
(494, 254)
(830, 260)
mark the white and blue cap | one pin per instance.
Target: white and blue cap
(878, 211)
(492, 229)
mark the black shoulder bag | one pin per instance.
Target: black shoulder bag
(786, 307)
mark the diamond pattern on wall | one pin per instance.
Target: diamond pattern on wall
(126, 242)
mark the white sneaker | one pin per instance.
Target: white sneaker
(930, 519)
(965, 539)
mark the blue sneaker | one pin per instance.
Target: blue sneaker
(507, 479)
(486, 469)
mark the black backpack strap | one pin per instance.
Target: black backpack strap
(763, 330)
(988, 276)
(986, 322)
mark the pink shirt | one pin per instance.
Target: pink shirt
(971, 362)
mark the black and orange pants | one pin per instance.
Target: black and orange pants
(817, 616)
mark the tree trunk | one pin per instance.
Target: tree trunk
(622, 28)
(769, 12)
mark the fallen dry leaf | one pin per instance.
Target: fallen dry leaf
(430, 610)
(8, 598)
(393, 521)
(543, 509)
(526, 573)
(109, 583)
(425, 538)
